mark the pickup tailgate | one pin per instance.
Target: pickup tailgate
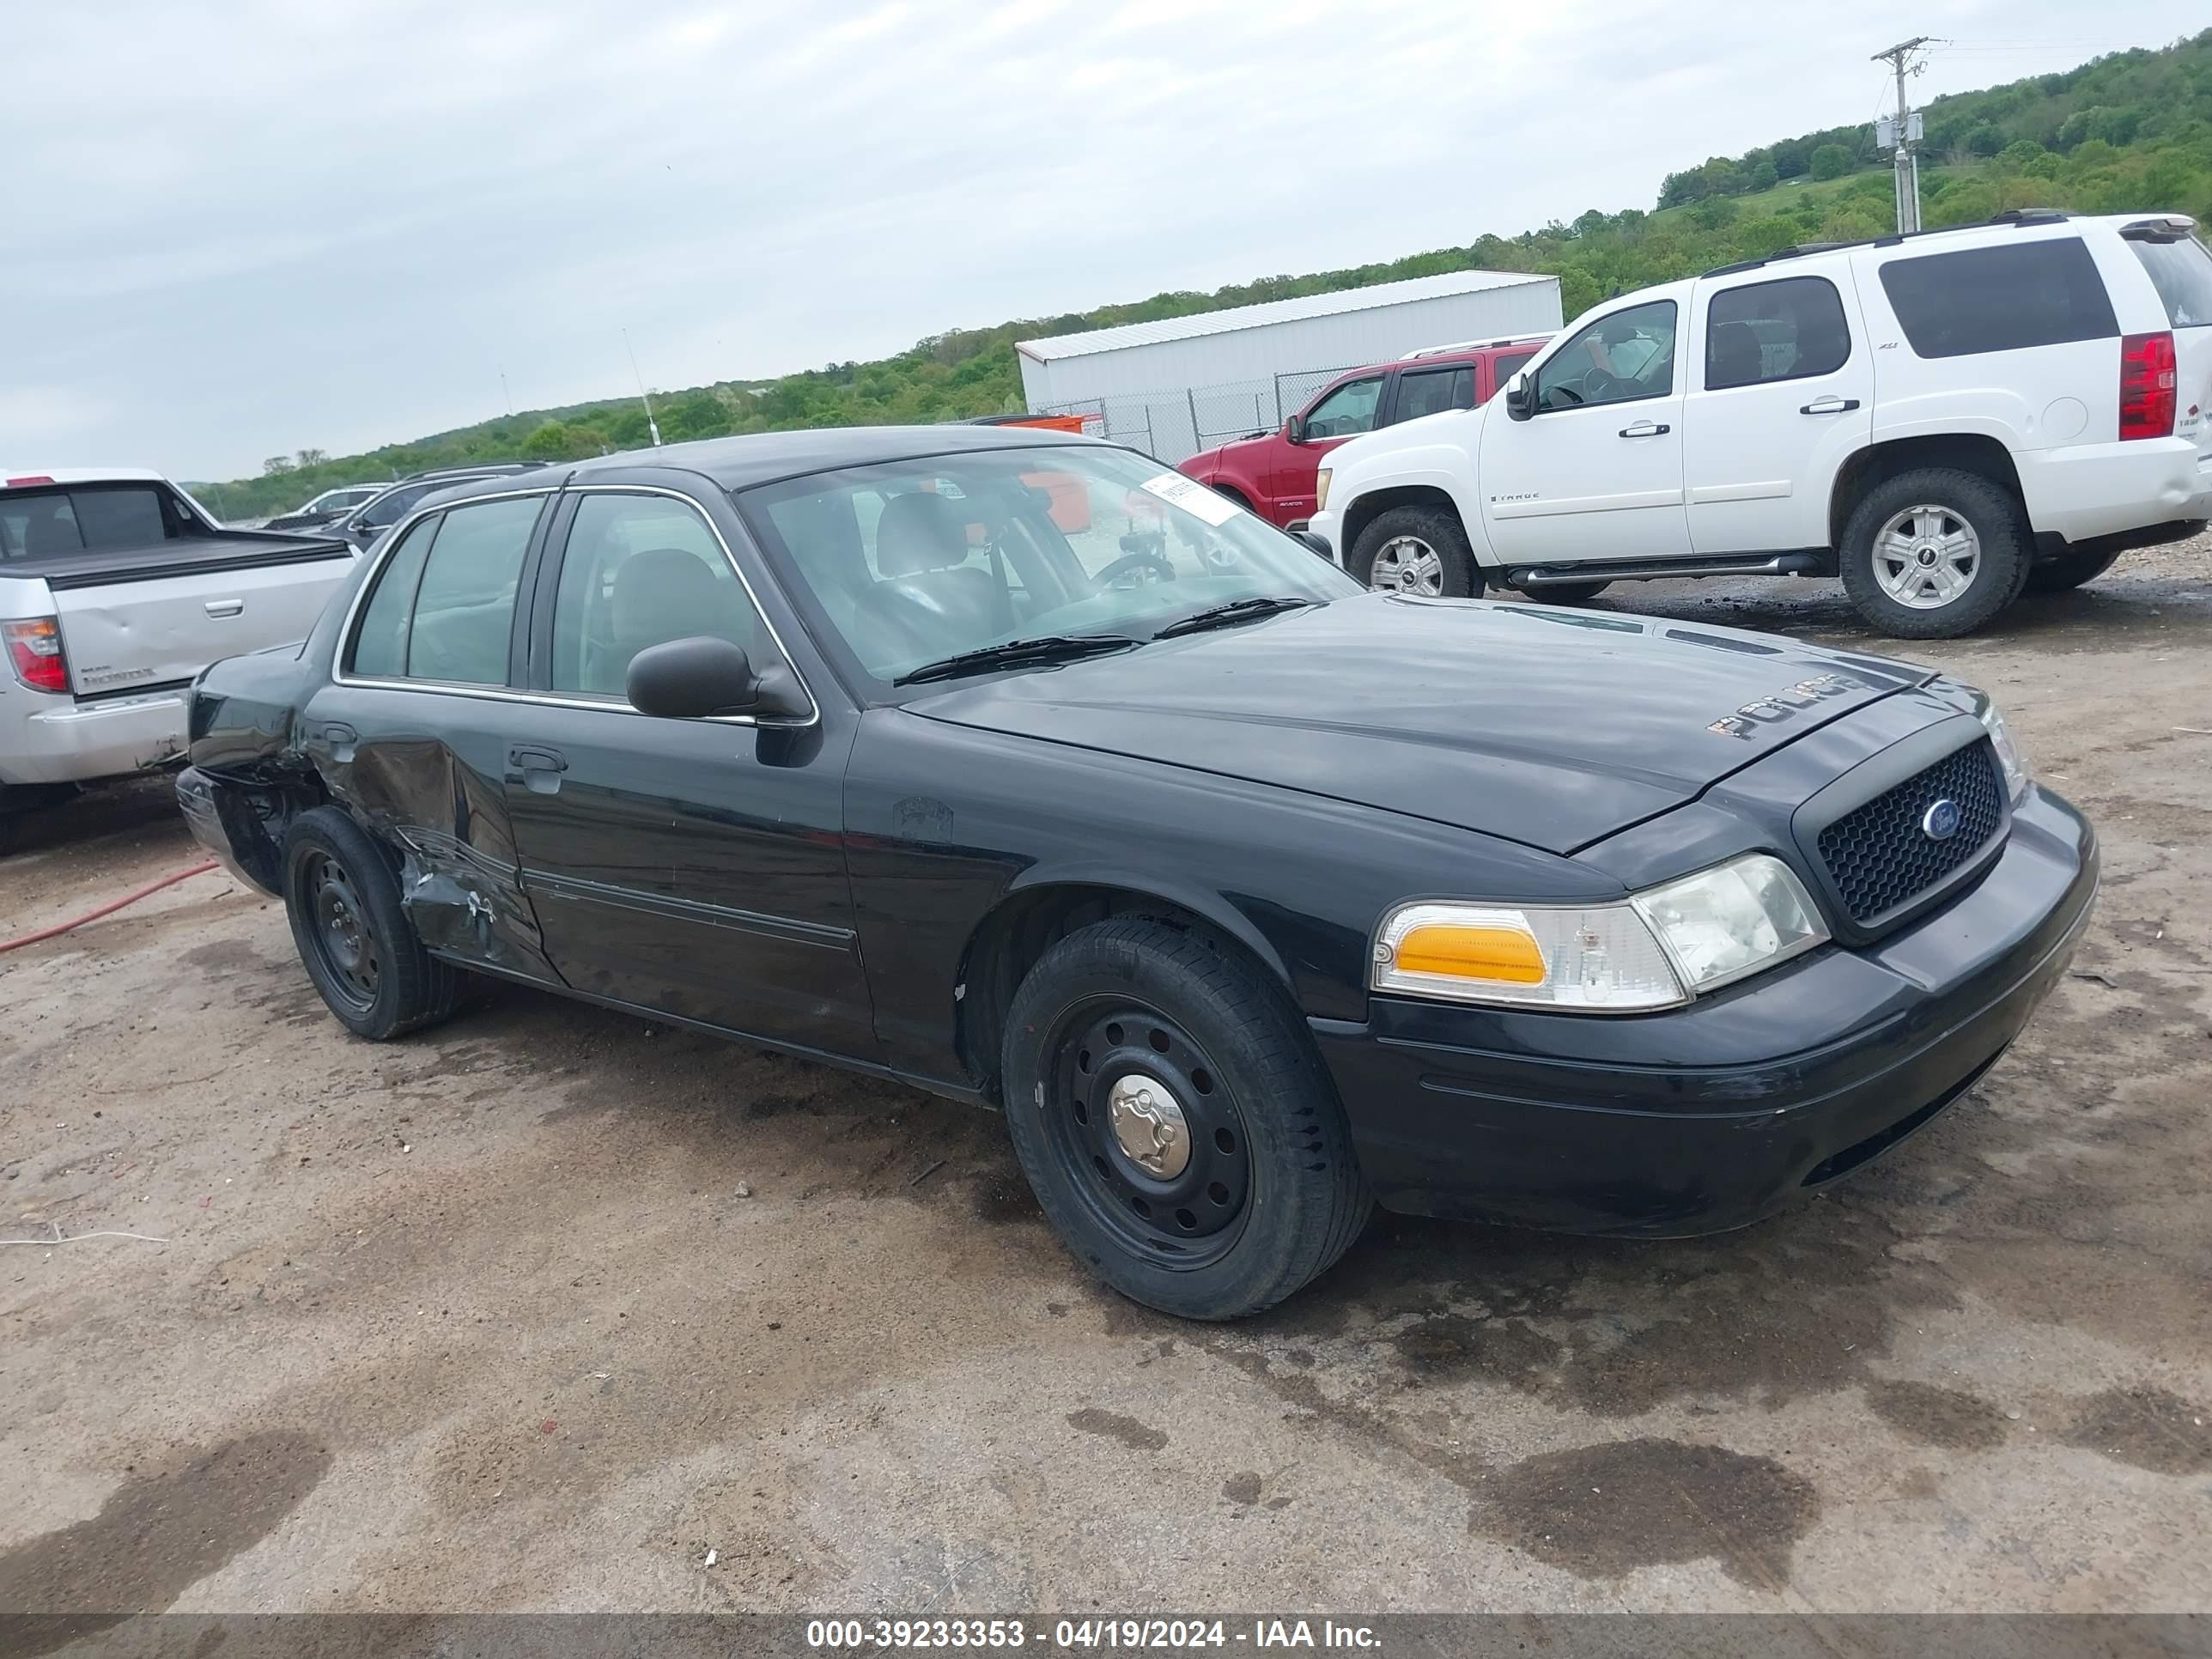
(131, 621)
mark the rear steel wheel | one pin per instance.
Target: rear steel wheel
(353, 933)
(341, 941)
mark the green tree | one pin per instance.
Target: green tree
(1830, 161)
(1764, 176)
(276, 467)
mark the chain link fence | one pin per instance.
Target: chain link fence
(1172, 426)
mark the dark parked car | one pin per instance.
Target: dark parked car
(367, 523)
(1248, 896)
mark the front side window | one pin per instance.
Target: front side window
(1346, 412)
(640, 571)
(1615, 360)
(1433, 390)
(2182, 272)
(2004, 298)
(1782, 330)
(908, 562)
(443, 608)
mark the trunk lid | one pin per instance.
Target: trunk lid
(1550, 727)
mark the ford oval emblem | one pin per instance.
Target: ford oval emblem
(1941, 821)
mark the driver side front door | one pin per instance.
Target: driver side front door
(1596, 472)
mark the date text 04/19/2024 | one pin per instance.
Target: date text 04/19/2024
(1085, 1635)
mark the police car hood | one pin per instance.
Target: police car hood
(1547, 726)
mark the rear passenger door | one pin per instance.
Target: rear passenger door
(693, 866)
(1432, 391)
(1783, 394)
(411, 732)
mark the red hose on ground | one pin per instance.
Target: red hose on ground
(60, 927)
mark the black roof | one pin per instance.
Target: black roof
(767, 457)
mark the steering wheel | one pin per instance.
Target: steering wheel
(1128, 563)
(1603, 385)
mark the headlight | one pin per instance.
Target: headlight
(1657, 950)
(1321, 489)
(2008, 754)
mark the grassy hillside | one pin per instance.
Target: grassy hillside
(2128, 131)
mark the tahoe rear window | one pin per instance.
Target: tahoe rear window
(90, 519)
(2182, 273)
(1999, 299)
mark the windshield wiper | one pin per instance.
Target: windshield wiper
(1016, 653)
(1228, 615)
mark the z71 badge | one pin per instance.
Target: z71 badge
(1781, 705)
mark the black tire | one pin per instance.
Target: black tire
(1566, 593)
(1270, 1195)
(2069, 570)
(353, 936)
(1438, 529)
(2000, 570)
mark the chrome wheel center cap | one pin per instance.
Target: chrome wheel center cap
(1149, 1123)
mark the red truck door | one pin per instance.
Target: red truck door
(1345, 410)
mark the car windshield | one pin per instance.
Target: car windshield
(908, 562)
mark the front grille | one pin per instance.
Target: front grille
(1878, 855)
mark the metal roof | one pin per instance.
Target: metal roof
(1273, 311)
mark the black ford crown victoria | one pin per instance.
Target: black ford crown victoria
(1024, 770)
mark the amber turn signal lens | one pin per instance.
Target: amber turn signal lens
(1505, 955)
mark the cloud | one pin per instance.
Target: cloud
(267, 226)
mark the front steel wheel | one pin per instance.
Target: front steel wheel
(1179, 1131)
(1150, 1131)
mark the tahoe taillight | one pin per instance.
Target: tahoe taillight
(2147, 380)
(34, 652)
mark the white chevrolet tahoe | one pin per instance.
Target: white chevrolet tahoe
(1944, 420)
(116, 589)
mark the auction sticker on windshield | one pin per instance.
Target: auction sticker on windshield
(1194, 499)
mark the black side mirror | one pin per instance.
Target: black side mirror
(1295, 428)
(1520, 397)
(690, 680)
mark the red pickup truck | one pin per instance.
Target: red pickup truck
(1273, 472)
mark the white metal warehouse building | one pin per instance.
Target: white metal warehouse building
(1176, 385)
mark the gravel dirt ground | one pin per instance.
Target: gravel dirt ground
(535, 1309)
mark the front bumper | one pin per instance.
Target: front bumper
(1329, 527)
(57, 739)
(1709, 1117)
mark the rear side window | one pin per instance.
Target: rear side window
(398, 504)
(2004, 298)
(1433, 390)
(1506, 364)
(379, 649)
(1782, 330)
(464, 606)
(2182, 273)
(443, 606)
(46, 523)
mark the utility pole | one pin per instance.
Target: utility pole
(1899, 131)
(651, 425)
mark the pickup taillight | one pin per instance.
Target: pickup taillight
(2147, 382)
(34, 652)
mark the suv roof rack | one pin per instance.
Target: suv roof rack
(2020, 218)
(1472, 345)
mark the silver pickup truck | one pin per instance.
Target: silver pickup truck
(116, 589)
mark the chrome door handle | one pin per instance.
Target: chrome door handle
(224, 607)
(1829, 405)
(1646, 430)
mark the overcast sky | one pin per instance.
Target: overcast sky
(235, 229)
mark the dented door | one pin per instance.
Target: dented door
(423, 769)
